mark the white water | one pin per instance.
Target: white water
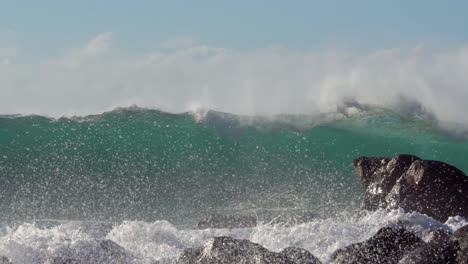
(97, 78)
(163, 242)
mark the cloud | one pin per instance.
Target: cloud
(99, 44)
(262, 81)
(7, 55)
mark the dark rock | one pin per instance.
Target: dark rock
(228, 221)
(299, 256)
(433, 188)
(60, 260)
(379, 175)
(461, 237)
(191, 255)
(405, 181)
(111, 253)
(389, 245)
(227, 250)
(113, 250)
(439, 250)
(5, 260)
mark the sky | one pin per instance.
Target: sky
(250, 57)
(39, 29)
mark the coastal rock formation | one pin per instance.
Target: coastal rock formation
(389, 245)
(227, 221)
(425, 186)
(227, 250)
(461, 237)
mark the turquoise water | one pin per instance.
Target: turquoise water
(140, 164)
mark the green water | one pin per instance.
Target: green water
(147, 165)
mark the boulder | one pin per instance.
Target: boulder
(60, 260)
(110, 252)
(299, 256)
(5, 260)
(113, 250)
(227, 250)
(379, 175)
(228, 221)
(439, 250)
(461, 237)
(405, 181)
(389, 245)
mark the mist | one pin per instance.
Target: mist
(266, 81)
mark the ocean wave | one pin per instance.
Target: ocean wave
(161, 241)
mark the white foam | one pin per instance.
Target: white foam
(267, 81)
(161, 241)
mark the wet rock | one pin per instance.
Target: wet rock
(227, 250)
(405, 181)
(299, 256)
(191, 255)
(379, 175)
(109, 252)
(389, 245)
(461, 237)
(439, 250)
(5, 260)
(113, 250)
(60, 260)
(227, 221)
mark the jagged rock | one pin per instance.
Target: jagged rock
(405, 181)
(439, 250)
(227, 250)
(379, 175)
(227, 221)
(461, 237)
(389, 245)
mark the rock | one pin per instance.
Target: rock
(405, 181)
(227, 250)
(299, 256)
(461, 237)
(110, 252)
(191, 255)
(60, 260)
(433, 188)
(389, 245)
(5, 260)
(113, 250)
(228, 221)
(439, 250)
(379, 175)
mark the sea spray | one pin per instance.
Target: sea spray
(147, 242)
(141, 164)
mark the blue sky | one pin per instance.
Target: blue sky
(41, 28)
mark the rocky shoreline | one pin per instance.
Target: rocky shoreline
(434, 188)
(404, 181)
